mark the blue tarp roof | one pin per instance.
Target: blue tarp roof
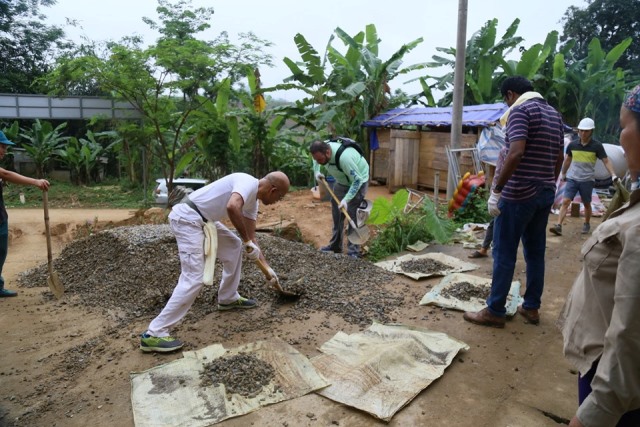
(473, 115)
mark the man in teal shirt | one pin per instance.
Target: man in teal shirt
(352, 180)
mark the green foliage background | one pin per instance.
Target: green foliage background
(395, 229)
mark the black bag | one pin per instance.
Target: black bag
(344, 144)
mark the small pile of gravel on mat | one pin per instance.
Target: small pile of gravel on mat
(242, 374)
(423, 265)
(464, 291)
(131, 271)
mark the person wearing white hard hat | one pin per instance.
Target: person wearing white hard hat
(578, 170)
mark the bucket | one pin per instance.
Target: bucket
(324, 194)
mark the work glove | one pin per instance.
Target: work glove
(252, 250)
(492, 204)
(273, 278)
(319, 176)
(614, 179)
(343, 204)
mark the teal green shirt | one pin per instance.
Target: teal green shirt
(355, 169)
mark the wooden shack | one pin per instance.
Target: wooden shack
(409, 145)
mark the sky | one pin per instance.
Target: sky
(278, 21)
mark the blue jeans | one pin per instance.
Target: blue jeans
(337, 236)
(527, 221)
(4, 247)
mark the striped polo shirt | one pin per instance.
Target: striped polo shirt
(540, 125)
(583, 159)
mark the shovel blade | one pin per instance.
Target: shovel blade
(55, 285)
(359, 236)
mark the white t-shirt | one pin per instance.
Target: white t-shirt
(212, 199)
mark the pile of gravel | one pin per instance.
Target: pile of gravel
(131, 271)
(242, 374)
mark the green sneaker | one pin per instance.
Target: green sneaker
(240, 303)
(149, 343)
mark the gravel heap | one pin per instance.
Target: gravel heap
(131, 271)
(242, 374)
(464, 291)
(423, 265)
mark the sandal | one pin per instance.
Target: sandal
(477, 254)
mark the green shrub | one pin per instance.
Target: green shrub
(475, 210)
(395, 229)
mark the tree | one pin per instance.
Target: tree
(44, 140)
(167, 80)
(343, 90)
(485, 60)
(611, 21)
(591, 87)
(82, 156)
(27, 45)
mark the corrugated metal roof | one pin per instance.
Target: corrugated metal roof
(472, 115)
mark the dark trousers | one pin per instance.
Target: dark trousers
(337, 236)
(4, 247)
(488, 236)
(630, 419)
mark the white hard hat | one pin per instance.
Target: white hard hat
(586, 124)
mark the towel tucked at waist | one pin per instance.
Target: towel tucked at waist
(210, 251)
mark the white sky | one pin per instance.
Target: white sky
(279, 20)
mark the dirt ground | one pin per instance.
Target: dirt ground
(511, 377)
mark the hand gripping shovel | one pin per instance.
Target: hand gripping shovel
(53, 280)
(357, 235)
(288, 295)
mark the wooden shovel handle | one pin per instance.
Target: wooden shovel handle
(45, 202)
(344, 211)
(263, 267)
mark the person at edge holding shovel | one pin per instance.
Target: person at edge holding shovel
(195, 220)
(16, 178)
(352, 181)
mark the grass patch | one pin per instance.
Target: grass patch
(106, 195)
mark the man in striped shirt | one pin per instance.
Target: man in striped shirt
(522, 198)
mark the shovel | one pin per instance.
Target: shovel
(53, 280)
(278, 287)
(357, 235)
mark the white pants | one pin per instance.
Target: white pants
(190, 238)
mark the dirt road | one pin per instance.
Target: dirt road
(64, 365)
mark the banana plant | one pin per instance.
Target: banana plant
(43, 140)
(82, 155)
(484, 59)
(343, 89)
(591, 87)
